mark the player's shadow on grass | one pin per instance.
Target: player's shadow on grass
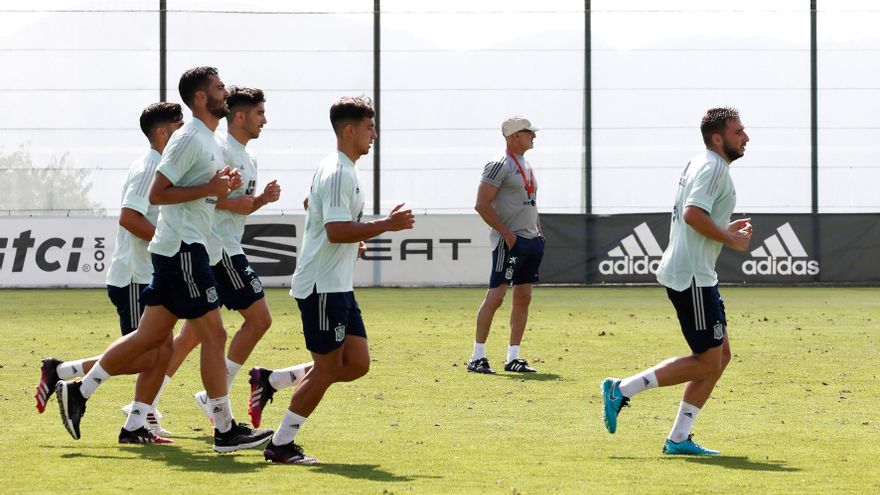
(529, 377)
(740, 462)
(179, 458)
(364, 472)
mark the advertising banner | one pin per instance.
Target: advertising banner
(444, 250)
(785, 248)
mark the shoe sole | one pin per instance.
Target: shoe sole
(304, 461)
(243, 446)
(610, 424)
(63, 406)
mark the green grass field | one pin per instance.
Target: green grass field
(796, 412)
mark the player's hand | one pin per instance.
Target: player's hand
(234, 179)
(306, 203)
(510, 240)
(221, 184)
(272, 192)
(399, 219)
(741, 225)
(739, 240)
(362, 248)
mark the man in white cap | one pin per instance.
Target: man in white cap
(507, 202)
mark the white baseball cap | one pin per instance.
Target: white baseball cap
(516, 124)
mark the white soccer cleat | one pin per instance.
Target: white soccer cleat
(153, 424)
(202, 400)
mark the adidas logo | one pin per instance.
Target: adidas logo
(781, 252)
(636, 254)
(690, 415)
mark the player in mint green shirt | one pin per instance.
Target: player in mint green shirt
(705, 200)
(189, 181)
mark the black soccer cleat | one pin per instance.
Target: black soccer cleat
(519, 366)
(72, 404)
(480, 366)
(240, 437)
(290, 453)
(48, 380)
(141, 436)
(261, 394)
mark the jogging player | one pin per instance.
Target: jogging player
(238, 285)
(507, 202)
(130, 266)
(189, 180)
(322, 283)
(701, 225)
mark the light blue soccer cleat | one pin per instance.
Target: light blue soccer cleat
(686, 447)
(613, 401)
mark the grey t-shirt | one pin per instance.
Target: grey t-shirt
(516, 207)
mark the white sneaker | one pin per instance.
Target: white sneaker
(153, 424)
(202, 400)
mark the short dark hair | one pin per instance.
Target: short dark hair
(159, 114)
(195, 79)
(350, 109)
(243, 97)
(715, 120)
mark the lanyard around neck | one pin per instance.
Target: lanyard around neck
(530, 182)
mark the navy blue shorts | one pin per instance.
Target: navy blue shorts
(183, 283)
(701, 315)
(237, 282)
(519, 265)
(128, 305)
(328, 318)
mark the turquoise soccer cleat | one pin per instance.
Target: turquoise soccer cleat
(613, 402)
(686, 447)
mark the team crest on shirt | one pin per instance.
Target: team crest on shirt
(256, 285)
(211, 294)
(340, 332)
(719, 331)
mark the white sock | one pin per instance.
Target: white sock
(159, 393)
(137, 416)
(289, 427)
(95, 377)
(232, 369)
(70, 369)
(289, 377)
(479, 351)
(636, 384)
(222, 413)
(512, 353)
(687, 413)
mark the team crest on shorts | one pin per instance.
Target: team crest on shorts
(211, 294)
(256, 285)
(340, 332)
(719, 331)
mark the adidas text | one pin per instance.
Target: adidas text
(629, 266)
(781, 266)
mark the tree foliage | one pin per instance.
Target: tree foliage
(33, 189)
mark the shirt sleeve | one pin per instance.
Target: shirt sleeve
(337, 190)
(136, 196)
(707, 186)
(179, 156)
(494, 173)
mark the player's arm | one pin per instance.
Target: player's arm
(348, 232)
(485, 196)
(246, 204)
(164, 192)
(136, 223)
(699, 220)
